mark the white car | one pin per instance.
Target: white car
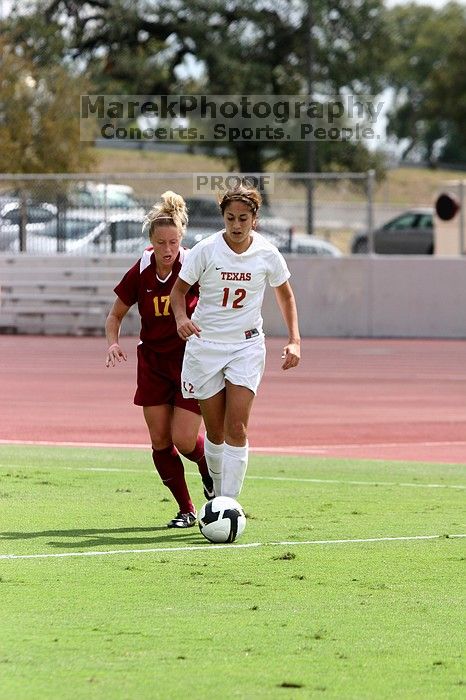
(38, 216)
(100, 195)
(300, 245)
(310, 245)
(77, 237)
(84, 230)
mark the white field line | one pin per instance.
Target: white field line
(310, 480)
(148, 472)
(212, 547)
(282, 449)
(358, 445)
(58, 443)
(358, 483)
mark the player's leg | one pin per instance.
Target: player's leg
(155, 394)
(168, 463)
(185, 435)
(239, 400)
(242, 378)
(202, 377)
(185, 426)
(213, 413)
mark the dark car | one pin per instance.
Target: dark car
(410, 233)
(36, 217)
(11, 213)
(206, 212)
(203, 212)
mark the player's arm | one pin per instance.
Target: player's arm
(287, 304)
(112, 332)
(184, 325)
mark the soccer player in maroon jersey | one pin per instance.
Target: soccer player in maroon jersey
(172, 420)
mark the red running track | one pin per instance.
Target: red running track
(378, 399)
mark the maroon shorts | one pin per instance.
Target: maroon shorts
(159, 379)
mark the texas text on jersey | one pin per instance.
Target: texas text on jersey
(232, 286)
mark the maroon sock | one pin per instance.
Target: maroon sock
(197, 455)
(171, 471)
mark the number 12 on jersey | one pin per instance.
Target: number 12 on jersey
(238, 296)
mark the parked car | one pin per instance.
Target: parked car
(125, 236)
(206, 212)
(10, 213)
(300, 245)
(410, 233)
(37, 215)
(194, 234)
(310, 245)
(74, 236)
(101, 195)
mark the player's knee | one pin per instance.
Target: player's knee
(160, 444)
(184, 444)
(215, 436)
(160, 441)
(184, 438)
(236, 432)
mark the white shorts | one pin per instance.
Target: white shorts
(206, 366)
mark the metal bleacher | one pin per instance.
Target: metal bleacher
(61, 295)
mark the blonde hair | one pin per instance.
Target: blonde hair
(170, 210)
(242, 193)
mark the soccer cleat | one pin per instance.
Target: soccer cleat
(183, 520)
(208, 483)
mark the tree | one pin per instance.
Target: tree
(427, 72)
(260, 48)
(243, 47)
(123, 47)
(39, 125)
(446, 97)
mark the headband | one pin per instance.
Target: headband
(241, 198)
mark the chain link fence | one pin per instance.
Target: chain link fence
(86, 214)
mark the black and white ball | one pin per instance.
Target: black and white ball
(222, 520)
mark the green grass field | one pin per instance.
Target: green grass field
(295, 616)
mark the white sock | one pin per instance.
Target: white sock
(235, 463)
(214, 458)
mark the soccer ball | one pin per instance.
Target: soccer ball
(221, 520)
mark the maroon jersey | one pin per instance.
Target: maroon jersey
(141, 284)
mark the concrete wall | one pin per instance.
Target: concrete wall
(357, 296)
(375, 297)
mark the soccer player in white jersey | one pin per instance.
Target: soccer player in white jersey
(225, 350)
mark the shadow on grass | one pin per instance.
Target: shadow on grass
(97, 537)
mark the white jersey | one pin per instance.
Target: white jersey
(232, 286)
